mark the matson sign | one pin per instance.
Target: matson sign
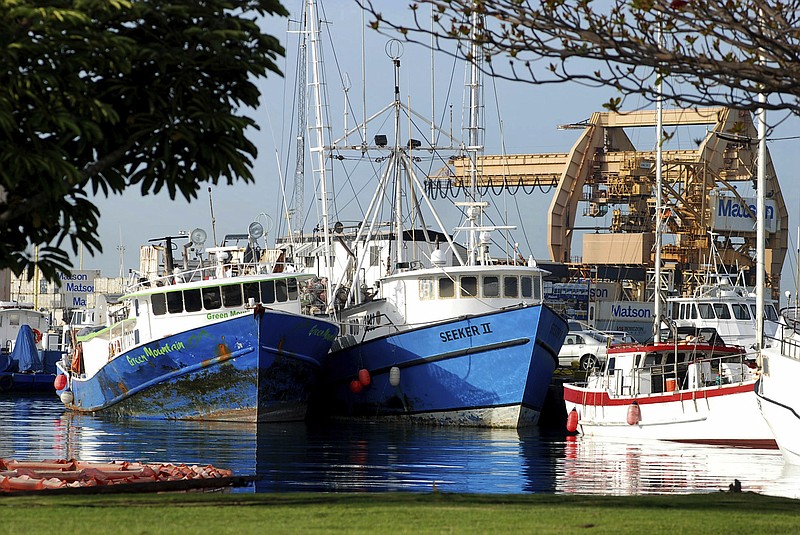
(77, 286)
(730, 214)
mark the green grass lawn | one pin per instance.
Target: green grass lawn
(219, 513)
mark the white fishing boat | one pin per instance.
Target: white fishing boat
(724, 303)
(689, 388)
(777, 387)
(220, 338)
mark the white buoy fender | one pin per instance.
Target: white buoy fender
(66, 397)
(394, 376)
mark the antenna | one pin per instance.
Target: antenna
(213, 219)
(121, 249)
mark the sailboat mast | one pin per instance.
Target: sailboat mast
(658, 237)
(318, 149)
(761, 184)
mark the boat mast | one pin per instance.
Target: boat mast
(658, 237)
(398, 187)
(475, 211)
(296, 215)
(319, 127)
(761, 186)
(760, 227)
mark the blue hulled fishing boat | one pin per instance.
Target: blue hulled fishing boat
(221, 340)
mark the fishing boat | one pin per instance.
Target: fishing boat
(26, 363)
(724, 303)
(220, 338)
(443, 334)
(691, 387)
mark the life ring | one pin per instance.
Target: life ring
(37, 336)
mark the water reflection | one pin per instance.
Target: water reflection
(615, 467)
(349, 457)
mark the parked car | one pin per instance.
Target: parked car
(589, 348)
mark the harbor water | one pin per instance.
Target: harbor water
(357, 457)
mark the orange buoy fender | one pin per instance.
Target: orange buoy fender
(572, 421)
(355, 386)
(634, 414)
(60, 382)
(363, 377)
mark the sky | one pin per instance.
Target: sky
(519, 118)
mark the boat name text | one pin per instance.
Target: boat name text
(465, 332)
(152, 353)
(325, 334)
(225, 315)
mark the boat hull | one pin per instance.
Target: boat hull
(258, 368)
(488, 370)
(717, 415)
(779, 402)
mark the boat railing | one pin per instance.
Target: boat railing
(202, 273)
(789, 347)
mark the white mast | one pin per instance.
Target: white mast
(659, 149)
(761, 185)
(319, 128)
(474, 209)
(398, 191)
(761, 182)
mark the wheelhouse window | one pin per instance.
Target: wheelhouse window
(281, 291)
(769, 312)
(722, 311)
(510, 287)
(446, 287)
(527, 286)
(212, 299)
(251, 292)
(469, 286)
(175, 302)
(740, 312)
(706, 311)
(267, 292)
(291, 284)
(192, 300)
(158, 302)
(232, 295)
(537, 287)
(491, 287)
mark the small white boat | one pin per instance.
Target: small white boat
(689, 389)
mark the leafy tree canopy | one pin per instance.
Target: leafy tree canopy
(101, 95)
(709, 52)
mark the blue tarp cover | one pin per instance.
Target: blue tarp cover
(25, 352)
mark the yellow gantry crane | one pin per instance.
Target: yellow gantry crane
(606, 174)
